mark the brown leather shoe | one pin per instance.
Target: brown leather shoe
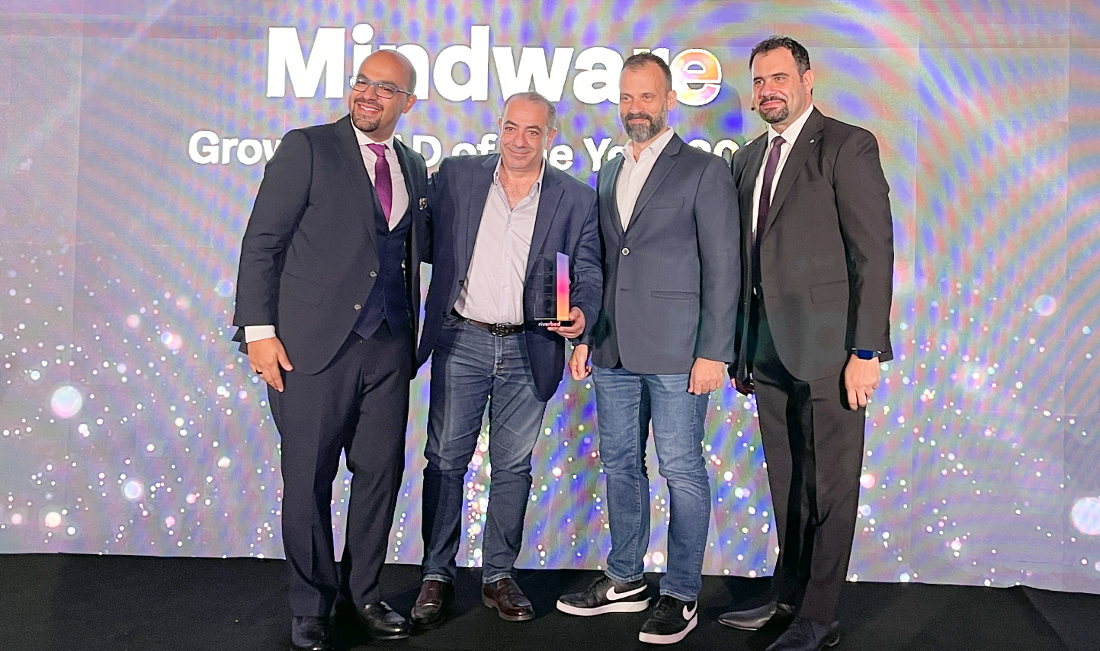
(431, 605)
(508, 599)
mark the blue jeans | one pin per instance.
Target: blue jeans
(626, 405)
(470, 367)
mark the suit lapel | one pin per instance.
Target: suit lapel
(549, 197)
(609, 182)
(746, 185)
(808, 140)
(352, 158)
(406, 175)
(474, 201)
(665, 162)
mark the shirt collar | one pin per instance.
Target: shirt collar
(657, 146)
(790, 134)
(365, 140)
(535, 189)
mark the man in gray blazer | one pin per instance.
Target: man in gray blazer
(814, 325)
(669, 225)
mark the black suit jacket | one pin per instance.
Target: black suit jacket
(308, 259)
(565, 222)
(670, 279)
(827, 256)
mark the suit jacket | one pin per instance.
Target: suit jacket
(827, 255)
(564, 222)
(308, 259)
(671, 279)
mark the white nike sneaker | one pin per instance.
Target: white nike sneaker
(606, 596)
(670, 621)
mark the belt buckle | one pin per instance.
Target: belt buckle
(499, 329)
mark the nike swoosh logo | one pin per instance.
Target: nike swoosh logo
(613, 595)
(688, 614)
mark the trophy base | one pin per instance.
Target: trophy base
(545, 323)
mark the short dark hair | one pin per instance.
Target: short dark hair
(640, 59)
(801, 56)
(537, 98)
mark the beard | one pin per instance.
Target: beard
(643, 132)
(773, 116)
(365, 124)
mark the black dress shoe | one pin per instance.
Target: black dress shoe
(431, 605)
(754, 618)
(310, 634)
(511, 604)
(382, 623)
(807, 635)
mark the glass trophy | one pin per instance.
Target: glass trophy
(552, 291)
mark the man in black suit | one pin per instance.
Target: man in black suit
(668, 221)
(497, 222)
(813, 327)
(327, 304)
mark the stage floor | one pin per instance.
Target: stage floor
(79, 602)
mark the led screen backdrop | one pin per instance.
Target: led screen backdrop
(132, 141)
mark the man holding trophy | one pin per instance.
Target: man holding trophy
(510, 236)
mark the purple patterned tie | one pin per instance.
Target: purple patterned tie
(765, 204)
(383, 184)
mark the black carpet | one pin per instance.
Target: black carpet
(121, 603)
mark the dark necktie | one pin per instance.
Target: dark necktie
(383, 184)
(765, 204)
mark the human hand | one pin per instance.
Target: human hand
(860, 379)
(579, 367)
(706, 376)
(268, 359)
(573, 331)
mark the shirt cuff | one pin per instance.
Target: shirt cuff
(257, 332)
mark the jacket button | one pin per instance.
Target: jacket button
(374, 274)
(626, 251)
(358, 306)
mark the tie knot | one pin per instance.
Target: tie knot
(378, 148)
(777, 141)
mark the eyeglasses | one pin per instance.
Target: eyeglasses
(384, 89)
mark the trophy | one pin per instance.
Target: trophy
(552, 297)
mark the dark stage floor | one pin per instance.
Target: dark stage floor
(63, 602)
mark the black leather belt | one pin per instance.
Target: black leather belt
(495, 329)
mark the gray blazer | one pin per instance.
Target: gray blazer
(671, 280)
(827, 256)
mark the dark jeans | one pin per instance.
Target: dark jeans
(470, 367)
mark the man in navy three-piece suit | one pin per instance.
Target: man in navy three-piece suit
(495, 221)
(327, 303)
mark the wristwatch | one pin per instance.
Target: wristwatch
(865, 354)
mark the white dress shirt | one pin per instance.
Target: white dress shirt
(790, 135)
(633, 174)
(397, 208)
(493, 292)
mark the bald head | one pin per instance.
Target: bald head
(395, 58)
